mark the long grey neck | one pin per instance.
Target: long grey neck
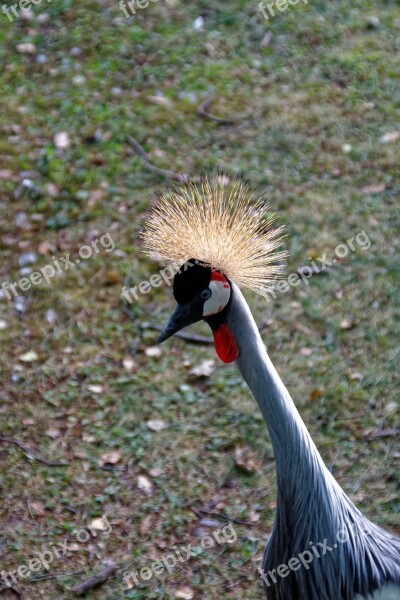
(293, 447)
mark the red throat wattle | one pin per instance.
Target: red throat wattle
(225, 344)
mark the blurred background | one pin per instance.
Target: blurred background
(99, 112)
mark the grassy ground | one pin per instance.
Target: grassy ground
(315, 102)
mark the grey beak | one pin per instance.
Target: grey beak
(182, 316)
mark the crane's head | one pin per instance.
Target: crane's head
(202, 292)
(230, 234)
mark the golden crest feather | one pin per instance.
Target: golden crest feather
(221, 224)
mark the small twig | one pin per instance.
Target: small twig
(144, 157)
(95, 580)
(113, 468)
(53, 576)
(128, 312)
(312, 271)
(202, 112)
(29, 454)
(202, 511)
(381, 433)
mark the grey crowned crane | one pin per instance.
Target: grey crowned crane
(321, 547)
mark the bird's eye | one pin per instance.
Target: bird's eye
(205, 294)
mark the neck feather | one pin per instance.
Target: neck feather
(297, 458)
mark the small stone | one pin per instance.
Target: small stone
(99, 524)
(128, 363)
(27, 258)
(144, 484)
(156, 425)
(266, 40)
(185, 593)
(26, 14)
(372, 22)
(79, 80)
(198, 24)
(51, 316)
(26, 48)
(62, 140)
(43, 18)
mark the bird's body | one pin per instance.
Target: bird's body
(321, 546)
(313, 513)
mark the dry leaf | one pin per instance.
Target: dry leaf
(110, 458)
(45, 248)
(111, 277)
(156, 424)
(374, 189)
(146, 525)
(96, 389)
(204, 369)
(353, 376)
(128, 363)
(315, 394)
(391, 408)
(390, 137)
(156, 471)
(254, 517)
(29, 356)
(37, 509)
(160, 100)
(153, 351)
(245, 459)
(185, 593)
(53, 433)
(305, 351)
(99, 524)
(144, 484)
(357, 498)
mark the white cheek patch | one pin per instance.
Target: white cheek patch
(220, 294)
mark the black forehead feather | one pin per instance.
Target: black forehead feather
(192, 277)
